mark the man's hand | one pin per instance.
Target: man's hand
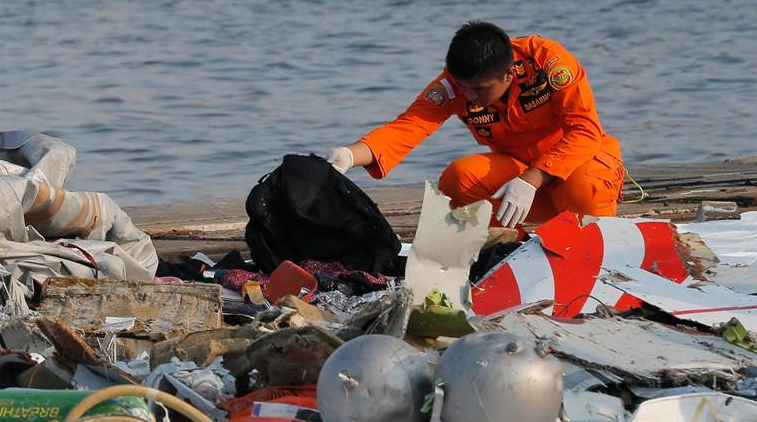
(517, 196)
(341, 158)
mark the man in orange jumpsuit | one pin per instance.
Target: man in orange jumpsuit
(529, 100)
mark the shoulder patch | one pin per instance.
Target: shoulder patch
(560, 77)
(435, 95)
(448, 88)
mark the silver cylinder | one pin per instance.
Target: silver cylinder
(499, 377)
(374, 378)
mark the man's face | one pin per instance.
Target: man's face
(484, 91)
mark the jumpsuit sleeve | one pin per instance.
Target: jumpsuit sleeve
(573, 109)
(391, 142)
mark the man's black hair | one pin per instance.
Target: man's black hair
(479, 50)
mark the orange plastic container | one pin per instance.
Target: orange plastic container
(290, 279)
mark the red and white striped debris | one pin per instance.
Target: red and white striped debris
(706, 303)
(562, 264)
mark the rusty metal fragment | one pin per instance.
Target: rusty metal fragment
(68, 344)
(293, 356)
(204, 347)
(698, 258)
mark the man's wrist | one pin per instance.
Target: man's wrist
(361, 154)
(536, 177)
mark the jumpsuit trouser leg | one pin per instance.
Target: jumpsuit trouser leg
(592, 189)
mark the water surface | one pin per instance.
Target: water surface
(174, 100)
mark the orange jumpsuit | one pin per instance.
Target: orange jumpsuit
(546, 119)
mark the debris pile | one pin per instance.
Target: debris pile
(585, 319)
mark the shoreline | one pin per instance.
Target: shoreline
(674, 191)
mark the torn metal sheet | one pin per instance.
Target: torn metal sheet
(446, 244)
(656, 393)
(292, 356)
(735, 244)
(733, 241)
(13, 294)
(706, 303)
(160, 309)
(635, 349)
(577, 378)
(563, 262)
(739, 278)
(587, 406)
(698, 407)
(97, 377)
(22, 334)
(204, 387)
(203, 347)
(137, 368)
(389, 314)
(67, 342)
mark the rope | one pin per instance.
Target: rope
(136, 391)
(642, 194)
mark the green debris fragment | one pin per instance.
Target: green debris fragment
(736, 334)
(428, 401)
(437, 317)
(32, 405)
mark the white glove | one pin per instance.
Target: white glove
(517, 196)
(341, 158)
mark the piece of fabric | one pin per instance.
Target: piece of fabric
(547, 119)
(300, 404)
(37, 156)
(95, 238)
(234, 279)
(593, 189)
(57, 213)
(337, 270)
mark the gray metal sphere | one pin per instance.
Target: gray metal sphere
(499, 377)
(374, 378)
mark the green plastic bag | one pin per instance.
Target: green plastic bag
(437, 317)
(735, 333)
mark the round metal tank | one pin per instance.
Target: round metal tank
(374, 378)
(499, 377)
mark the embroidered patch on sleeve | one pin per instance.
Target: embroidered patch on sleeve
(435, 95)
(560, 77)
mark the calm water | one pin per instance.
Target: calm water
(171, 100)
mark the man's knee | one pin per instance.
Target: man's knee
(590, 196)
(592, 189)
(478, 176)
(450, 182)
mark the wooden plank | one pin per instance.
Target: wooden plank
(674, 191)
(160, 309)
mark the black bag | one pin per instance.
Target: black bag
(305, 209)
